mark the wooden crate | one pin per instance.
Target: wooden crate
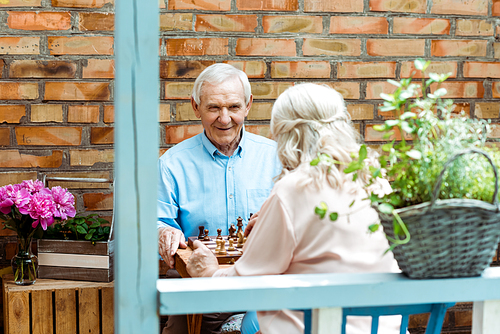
(59, 307)
(76, 260)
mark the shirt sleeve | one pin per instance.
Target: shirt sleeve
(270, 246)
(164, 222)
(167, 207)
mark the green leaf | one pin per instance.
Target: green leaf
(353, 166)
(376, 172)
(314, 162)
(363, 152)
(387, 147)
(434, 76)
(385, 208)
(379, 127)
(373, 227)
(393, 82)
(387, 107)
(334, 216)
(414, 154)
(352, 203)
(80, 229)
(388, 135)
(406, 94)
(392, 122)
(406, 127)
(94, 225)
(88, 236)
(421, 64)
(439, 92)
(407, 115)
(321, 210)
(354, 177)
(387, 97)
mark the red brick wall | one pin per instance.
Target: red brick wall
(57, 69)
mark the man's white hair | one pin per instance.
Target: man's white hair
(217, 73)
(308, 119)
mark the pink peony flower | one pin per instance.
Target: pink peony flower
(64, 203)
(42, 208)
(11, 189)
(5, 201)
(32, 185)
(21, 198)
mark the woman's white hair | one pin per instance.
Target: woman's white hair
(217, 73)
(308, 119)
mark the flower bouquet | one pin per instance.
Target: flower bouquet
(28, 209)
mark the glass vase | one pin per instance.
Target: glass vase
(24, 263)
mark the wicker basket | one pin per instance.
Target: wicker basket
(449, 238)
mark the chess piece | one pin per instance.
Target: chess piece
(241, 239)
(201, 235)
(232, 231)
(217, 249)
(222, 250)
(240, 226)
(231, 245)
(206, 238)
(219, 231)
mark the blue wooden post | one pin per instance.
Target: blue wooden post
(136, 153)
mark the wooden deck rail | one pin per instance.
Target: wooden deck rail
(326, 294)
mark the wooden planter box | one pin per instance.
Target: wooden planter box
(76, 260)
(58, 307)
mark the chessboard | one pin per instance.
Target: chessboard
(230, 258)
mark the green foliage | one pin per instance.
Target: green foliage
(430, 135)
(91, 227)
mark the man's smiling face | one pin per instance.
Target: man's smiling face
(222, 110)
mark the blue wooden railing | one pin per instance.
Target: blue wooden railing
(327, 294)
(140, 297)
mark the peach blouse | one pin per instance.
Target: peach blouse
(289, 238)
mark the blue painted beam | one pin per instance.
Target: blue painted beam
(136, 151)
(203, 295)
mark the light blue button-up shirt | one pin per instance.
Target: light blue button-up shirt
(198, 185)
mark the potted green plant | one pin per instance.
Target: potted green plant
(80, 248)
(442, 216)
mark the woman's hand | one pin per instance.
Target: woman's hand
(251, 223)
(202, 263)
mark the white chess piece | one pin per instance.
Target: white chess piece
(222, 250)
(231, 245)
(240, 239)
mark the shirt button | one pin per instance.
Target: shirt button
(230, 195)
(229, 168)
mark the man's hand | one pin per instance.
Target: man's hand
(251, 223)
(202, 263)
(169, 240)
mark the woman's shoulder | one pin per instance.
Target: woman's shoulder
(294, 181)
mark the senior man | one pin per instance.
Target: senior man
(216, 176)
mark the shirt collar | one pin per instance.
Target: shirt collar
(213, 151)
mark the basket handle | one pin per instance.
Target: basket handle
(437, 186)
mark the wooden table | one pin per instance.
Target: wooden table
(58, 306)
(181, 257)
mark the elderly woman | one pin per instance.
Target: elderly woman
(288, 237)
